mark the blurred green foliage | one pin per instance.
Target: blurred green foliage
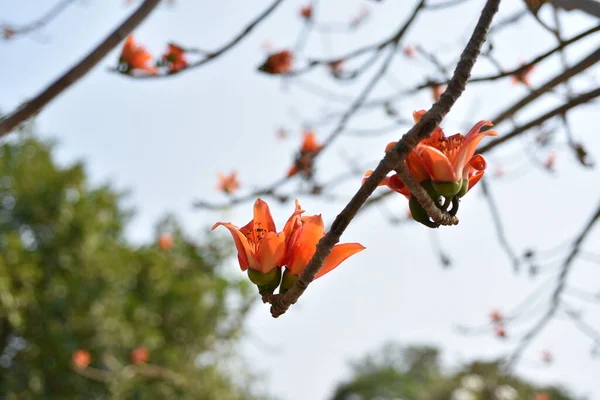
(395, 372)
(70, 280)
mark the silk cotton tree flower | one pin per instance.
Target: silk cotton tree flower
(301, 248)
(261, 249)
(446, 167)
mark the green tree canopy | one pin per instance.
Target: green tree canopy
(415, 373)
(69, 280)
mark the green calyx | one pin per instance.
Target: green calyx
(266, 282)
(447, 189)
(288, 281)
(464, 188)
(443, 195)
(419, 214)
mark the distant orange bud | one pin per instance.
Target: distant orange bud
(165, 241)
(228, 183)
(81, 358)
(500, 331)
(140, 355)
(278, 63)
(409, 51)
(306, 12)
(496, 316)
(551, 160)
(437, 91)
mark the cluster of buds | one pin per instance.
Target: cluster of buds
(498, 321)
(304, 160)
(135, 58)
(276, 259)
(446, 167)
(82, 358)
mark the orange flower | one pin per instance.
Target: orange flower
(549, 163)
(306, 12)
(409, 51)
(134, 56)
(542, 396)
(81, 358)
(165, 241)
(523, 76)
(303, 243)
(444, 160)
(228, 183)
(278, 63)
(336, 66)
(140, 355)
(304, 161)
(174, 57)
(500, 331)
(436, 92)
(496, 316)
(259, 246)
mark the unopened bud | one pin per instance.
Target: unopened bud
(288, 281)
(447, 189)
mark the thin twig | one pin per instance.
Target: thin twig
(556, 295)
(499, 226)
(210, 56)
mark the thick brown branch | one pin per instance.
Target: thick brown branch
(33, 106)
(392, 159)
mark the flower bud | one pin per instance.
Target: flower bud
(447, 189)
(463, 189)
(419, 214)
(262, 279)
(288, 281)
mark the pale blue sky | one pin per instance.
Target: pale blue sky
(167, 139)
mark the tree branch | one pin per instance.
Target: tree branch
(210, 56)
(555, 300)
(392, 159)
(35, 105)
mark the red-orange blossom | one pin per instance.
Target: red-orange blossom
(260, 247)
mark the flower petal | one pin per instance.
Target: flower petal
(270, 252)
(474, 178)
(241, 243)
(339, 253)
(396, 184)
(416, 167)
(471, 140)
(294, 222)
(437, 164)
(303, 244)
(474, 170)
(262, 217)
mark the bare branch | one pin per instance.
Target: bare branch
(558, 291)
(35, 105)
(210, 56)
(392, 159)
